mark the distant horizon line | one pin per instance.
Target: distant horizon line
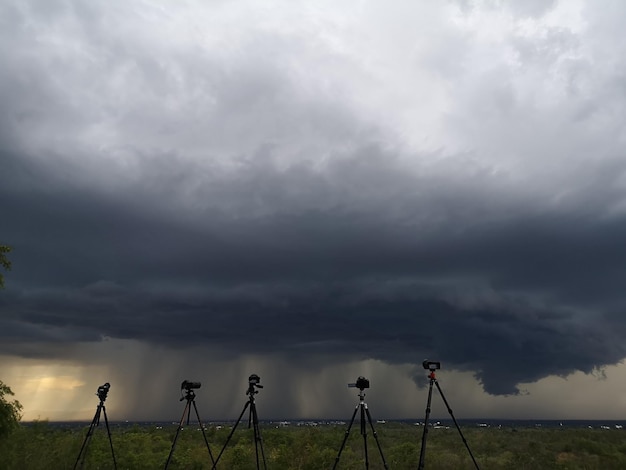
(342, 420)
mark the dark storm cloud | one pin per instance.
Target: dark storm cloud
(309, 191)
(512, 298)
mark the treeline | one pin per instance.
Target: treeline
(44, 446)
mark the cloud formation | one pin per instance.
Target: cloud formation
(378, 182)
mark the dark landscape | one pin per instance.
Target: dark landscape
(496, 444)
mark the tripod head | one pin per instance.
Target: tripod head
(254, 382)
(432, 366)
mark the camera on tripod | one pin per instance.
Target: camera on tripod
(103, 390)
(255, 381)
(361, 383)
(431, 365)
(187, 385)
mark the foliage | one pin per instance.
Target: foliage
(10, 411)
(4, 262)
(42, 445)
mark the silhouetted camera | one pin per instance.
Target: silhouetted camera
(431, 365)
(255, 381)
(103, 390)
(187, 385)
(361, 383)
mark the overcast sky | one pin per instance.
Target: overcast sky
(313, 191)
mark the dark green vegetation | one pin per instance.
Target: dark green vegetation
(10, 411)
(44, 446)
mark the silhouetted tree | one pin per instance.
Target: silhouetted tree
(10, 411)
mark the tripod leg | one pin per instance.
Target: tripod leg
(364, 434)
(230, 435)
(206, 441)
(258, 441)
(180, 426)
(380, 450)
(425, 432)
(83, 449)
(456, 424)
(345, 438)
(106, 421)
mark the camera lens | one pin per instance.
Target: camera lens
(188, 385)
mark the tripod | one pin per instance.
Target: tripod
(432, 366)
(362, 383)
(190, 396)
(102, 392)
(253, 420)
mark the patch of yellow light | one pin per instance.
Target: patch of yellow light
(51, 390)
(61, 383)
